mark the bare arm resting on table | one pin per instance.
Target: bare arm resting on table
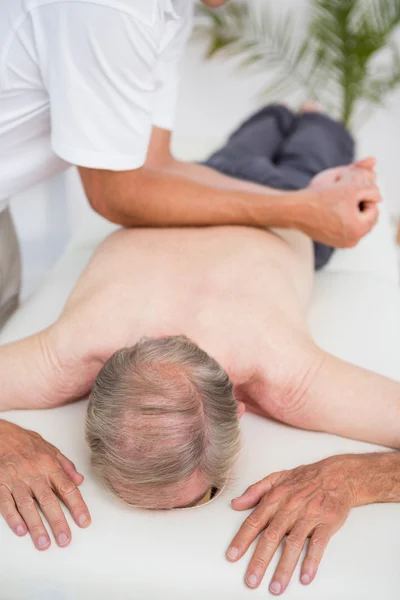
(30, 467)
(166, 192)
(32, 376)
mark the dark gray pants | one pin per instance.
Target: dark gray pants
(10, 267)
(282, 150)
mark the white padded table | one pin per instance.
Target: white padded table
(179, 555)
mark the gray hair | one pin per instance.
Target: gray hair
(158, 413)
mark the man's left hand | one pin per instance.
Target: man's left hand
(312, 501)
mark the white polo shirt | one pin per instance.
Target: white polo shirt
(83, 81)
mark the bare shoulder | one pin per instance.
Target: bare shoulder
(71, 359)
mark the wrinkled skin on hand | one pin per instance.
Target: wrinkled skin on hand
(32, 469)
(311, 501)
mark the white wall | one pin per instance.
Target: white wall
(214, 97)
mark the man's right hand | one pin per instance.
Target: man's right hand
(32, 469)
(344, 206)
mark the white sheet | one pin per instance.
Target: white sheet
(179, 555)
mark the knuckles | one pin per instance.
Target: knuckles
(253, 521)
(295, 542)
(283, 571)
(11, 516)
(66, 488)
(46, 498)
(271, 536)
(25, 502)
(310, 560)
(58, 523)
(46, 461)
(318, 542)
(4, 504)
(276, 494)
(259, 563)
(36, 528)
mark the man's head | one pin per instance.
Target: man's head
(162, 424)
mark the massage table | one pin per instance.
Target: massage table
(148, 555)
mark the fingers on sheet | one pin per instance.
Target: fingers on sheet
(69, 467)
(51, 508)
(292, 550)
(72, 498)
(9, 512)
(316, 548)
(253, 525)
(267, 545)
(27, 508)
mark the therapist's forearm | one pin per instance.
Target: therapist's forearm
(209, 176)
(156, 197)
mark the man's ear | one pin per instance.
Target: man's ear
(241, 409)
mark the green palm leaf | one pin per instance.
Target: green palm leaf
(348, 58)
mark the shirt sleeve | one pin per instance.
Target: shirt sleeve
(167, 72)
(98, 69)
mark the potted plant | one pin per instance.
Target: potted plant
(346, 58)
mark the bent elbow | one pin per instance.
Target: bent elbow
(102, 205)
(106, 206)
(110, 195)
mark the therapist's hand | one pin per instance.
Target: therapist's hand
(310, 501)
(32, 470)
(342, 207)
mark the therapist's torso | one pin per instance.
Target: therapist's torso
(83, 82)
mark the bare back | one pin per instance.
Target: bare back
(239, 293)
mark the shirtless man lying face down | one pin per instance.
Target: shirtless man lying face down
(175, 332)
(162, 418)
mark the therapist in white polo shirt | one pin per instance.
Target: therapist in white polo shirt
(94, 84)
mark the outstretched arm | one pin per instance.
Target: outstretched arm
(25, 374)
(346, 400)
(30, 468)
(33, 374)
